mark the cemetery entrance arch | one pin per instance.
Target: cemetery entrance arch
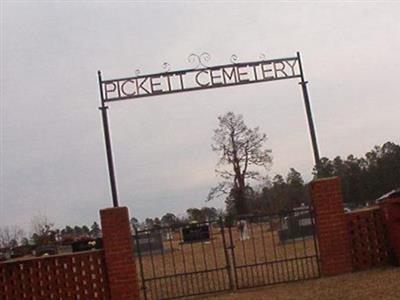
(200, 77)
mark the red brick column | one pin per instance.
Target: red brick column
(118, 251)
(331, 225)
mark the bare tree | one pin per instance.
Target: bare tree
(241, 157)
(10, 236)
(43, 230)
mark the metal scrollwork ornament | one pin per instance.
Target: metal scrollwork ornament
(199, 61)
(166, 66)
(233, 59)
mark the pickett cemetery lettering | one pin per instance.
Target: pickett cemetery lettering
(203, 78)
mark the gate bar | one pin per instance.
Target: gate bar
(140, 263)
(316, 247)
(228, 264)
(232, 248)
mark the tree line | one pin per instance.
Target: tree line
(44, 232)
(368, 177)
(197, 215)
(363, 179)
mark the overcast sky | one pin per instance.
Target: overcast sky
(52, 148)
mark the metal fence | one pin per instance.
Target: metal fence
(180, 267)
(202, 258)
(275, 249)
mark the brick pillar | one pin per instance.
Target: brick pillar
(331, 224)
(118, 251)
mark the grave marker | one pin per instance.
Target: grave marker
(195, 233)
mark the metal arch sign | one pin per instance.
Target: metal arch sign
(199, 78)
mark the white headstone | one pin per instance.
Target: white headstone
(243, 230)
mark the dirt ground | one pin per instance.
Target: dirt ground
(379, 284)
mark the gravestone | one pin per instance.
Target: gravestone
(298, 225)
(243, 230)
(195, 233)
(20, 251)
(167, 235)
(46, 249)
(79, 246)
(86, 245)
(148, 242)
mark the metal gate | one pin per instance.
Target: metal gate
(248, 252)
(171, 266)
(270, 249)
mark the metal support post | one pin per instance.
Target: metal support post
(311, 127)
(107, 140)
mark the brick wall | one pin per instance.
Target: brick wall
(79, 276)
(108, 274)
(118, 249)
(368, 238)
(331, 226)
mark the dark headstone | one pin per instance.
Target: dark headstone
(20, 251)
(46, 249)
(78, 246)
(148, 241)
(296, 226)
(85, 245)
(195, 233)
(99, 243)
